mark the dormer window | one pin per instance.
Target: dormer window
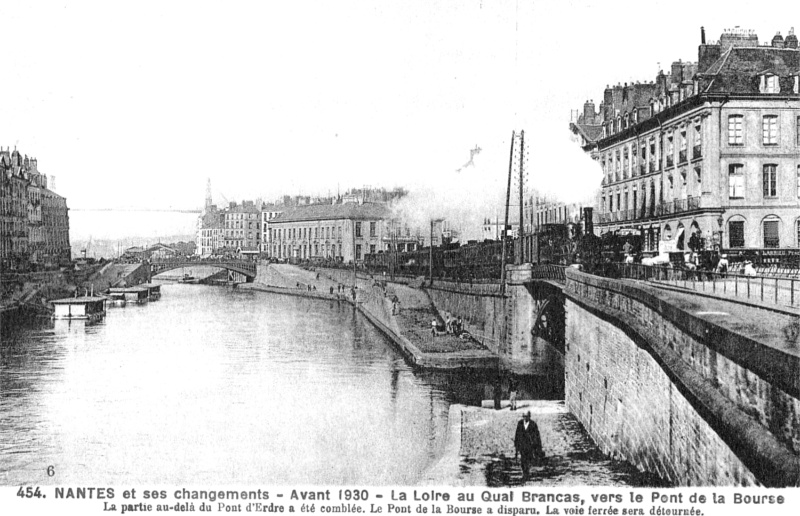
(770, 84)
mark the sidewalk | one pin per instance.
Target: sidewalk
(407, 322)
(773, 326)
(485, 455)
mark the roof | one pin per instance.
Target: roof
(126, 289)
(738, 69)
(347, 211)
(77, 300)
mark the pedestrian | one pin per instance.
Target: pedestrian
(459, 325)
(331, 289)
(749, 270)
(512, 392)
(527, 443)
(433, 328)
(722, 265)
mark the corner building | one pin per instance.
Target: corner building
(340, 232)
(712, 148)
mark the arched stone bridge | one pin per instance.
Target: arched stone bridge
(244, 267)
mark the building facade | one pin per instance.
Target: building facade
(241, 230)
(711, 149)
(268, 212)
(340, 232)
(34, 221)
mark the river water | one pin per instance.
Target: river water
(211, 385)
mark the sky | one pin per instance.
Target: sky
(137, 104)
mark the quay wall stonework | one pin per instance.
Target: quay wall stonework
(658, 387)
(479, 306)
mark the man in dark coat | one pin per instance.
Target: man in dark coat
(528, 443)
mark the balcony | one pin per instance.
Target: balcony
(682, 156)
(697, 152)
(647, 211)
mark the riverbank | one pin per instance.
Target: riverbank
(402, 313)
(480, 451)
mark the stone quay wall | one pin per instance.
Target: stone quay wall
(480, 307)
(674, 394)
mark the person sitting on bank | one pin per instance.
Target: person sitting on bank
(528, 444)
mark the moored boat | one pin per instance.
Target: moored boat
(85, 307)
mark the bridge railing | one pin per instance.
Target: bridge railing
(767, 289)
(550, 272)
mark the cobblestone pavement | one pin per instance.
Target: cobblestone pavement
(487, 451)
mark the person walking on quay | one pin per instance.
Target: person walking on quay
(528, 444)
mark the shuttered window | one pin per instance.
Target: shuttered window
(736, 233)
(771, 238)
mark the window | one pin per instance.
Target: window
(797, 233)
(736, 181)
(797, 130)
(372, 229)
(770, 84)
(358, 251)
(735, 130)
(697, 175)
(770, 180)
(736, 233)
(358, 229)
(769, 127)
(372, 248)
(771, 238)
(798, 180)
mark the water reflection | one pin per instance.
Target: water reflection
(213, 385)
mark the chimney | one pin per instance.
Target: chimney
(588, 112)
(702, 35)
(791, 40)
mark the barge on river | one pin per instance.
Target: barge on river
(153, 291)
(138, 295)
(87, 307)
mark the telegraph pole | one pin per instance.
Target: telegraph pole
(520, 258)
(430, 257)
(505, 225)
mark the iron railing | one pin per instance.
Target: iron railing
(550, 272)
(783, 290)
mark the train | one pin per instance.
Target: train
(556, 243)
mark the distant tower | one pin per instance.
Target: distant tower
(208, 194)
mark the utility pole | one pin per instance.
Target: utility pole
(505, 225)
(430, 257)
(520, 257)
(354, 252)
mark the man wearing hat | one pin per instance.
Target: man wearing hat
(528, 443)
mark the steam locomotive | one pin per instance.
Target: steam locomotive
(561, 243)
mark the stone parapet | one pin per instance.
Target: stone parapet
(676, 394)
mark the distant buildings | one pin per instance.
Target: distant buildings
(34, 230)
(711, 148)
(339, 232)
